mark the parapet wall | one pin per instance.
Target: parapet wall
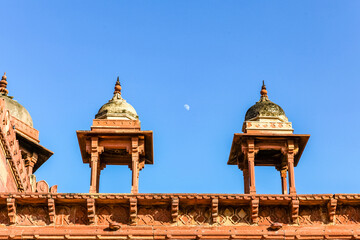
(179, 216)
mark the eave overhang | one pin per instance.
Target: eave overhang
(236, 152)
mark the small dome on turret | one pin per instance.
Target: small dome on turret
(117, 107)
(16, 109)
(265, 108)
(266, 117)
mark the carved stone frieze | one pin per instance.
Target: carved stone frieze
(71, 215)
(229, 215)
(273, 214)
(112, 213)
(29, 215)
(194, 215)
(347, 214)
(312, 215)
(4, 220)
(154, 215)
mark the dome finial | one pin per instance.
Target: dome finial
(117, 86)
(263, 92)
(3, 84)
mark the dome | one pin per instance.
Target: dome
(117, 107)
(16, 109)
(265, 109)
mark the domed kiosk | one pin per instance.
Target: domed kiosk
(268, 140)
(116, 139)
(32, 154)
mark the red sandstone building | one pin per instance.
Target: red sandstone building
(30, 209)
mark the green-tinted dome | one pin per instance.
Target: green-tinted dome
(17, 110)
(117, 107)
(265, 108)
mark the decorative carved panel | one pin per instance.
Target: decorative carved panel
(4, 215)
(346, 214)
(273, 214)
(312, 215)
(30, 215)
(234, 216)
(155, 215)
(106, 214)
(194, 215)
(71, 215)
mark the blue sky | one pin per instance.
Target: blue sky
(62, 59)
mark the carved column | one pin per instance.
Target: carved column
(246, 180)
(95, 165)
(251, 165)
(135, 164)
(290, 160)
(283, 175)
(30, 162)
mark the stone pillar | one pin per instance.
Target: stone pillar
(290, 160)
(30, 162)
(135, 164)
(283, 175)
(246, 180)
(251, 165)
(95, 165)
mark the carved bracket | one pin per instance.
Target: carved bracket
(133, 211)
(174, 209)
(294, 205)
(332, 209)
(11, 207)
(51, 209)
(91, 210)
(214, 209)
(255, 210)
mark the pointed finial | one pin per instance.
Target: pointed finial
(263, 92)
(3, 84)
(117, 86)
